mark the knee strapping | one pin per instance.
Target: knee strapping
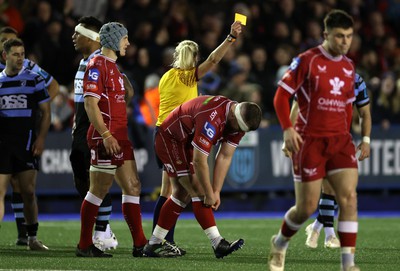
(106, 169)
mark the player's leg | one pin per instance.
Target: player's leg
(165, 193)
(103, 237)
(4, 180)
(344, 184)
(27, 184)
(326, 213)
(169, 214)
(205, 217)
(307, 196)
(128, 179)
(17, 205)
(101, 179)
(327, 208)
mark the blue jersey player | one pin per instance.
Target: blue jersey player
(22, 94)
(52, 86)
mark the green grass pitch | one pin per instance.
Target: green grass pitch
(378, 248)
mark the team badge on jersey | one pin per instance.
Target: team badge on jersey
(93, 75)
(337, 84)
(295, 63)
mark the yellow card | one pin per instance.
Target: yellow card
(241, 18)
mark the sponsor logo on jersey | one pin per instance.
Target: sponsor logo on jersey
(14, 101)
(208, 130)
(204, 141)
(295, 63)
(331, 102)
(213, 114)
(23, 83)
(120, 98)
(121, 82)
(91, 87)
(336, 84)
(93, 74)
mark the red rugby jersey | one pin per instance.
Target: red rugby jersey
(324, 86)
(201, 122)
(104, 81)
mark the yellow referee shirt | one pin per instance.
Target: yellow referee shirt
(176, 87)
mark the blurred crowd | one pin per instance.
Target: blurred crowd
(276, 31)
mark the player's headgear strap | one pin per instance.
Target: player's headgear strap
(111, 34)
(93, 35)
(242, 125)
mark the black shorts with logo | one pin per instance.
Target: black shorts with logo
(16, 156)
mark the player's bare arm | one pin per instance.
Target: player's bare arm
(201, 170)
(222, 162)
(53, 89)
(366, 124)
(215, 57)
(38, 145)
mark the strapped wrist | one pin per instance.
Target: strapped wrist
(106, 134)
(366, 139)
(231, 38)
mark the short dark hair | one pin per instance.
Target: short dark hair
(337, 18)
(91, 22)
(8, 30)
(11, 43)
(251, 115)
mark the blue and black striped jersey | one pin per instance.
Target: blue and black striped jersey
(360, 90)
(81, 120)
(20, 96)
(30, 65)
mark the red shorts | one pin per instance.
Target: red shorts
(176, 156)
(319, 155)
(99, 156)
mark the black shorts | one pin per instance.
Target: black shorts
(16, 156)
(80, 162)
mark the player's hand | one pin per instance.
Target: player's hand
(38, 147)
(285, 151)
(236, 29)
(209, 201)
(111, 145)
(364, 149)
(292, 140)
(217, 201)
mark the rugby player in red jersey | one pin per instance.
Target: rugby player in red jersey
(111, 151)
(321, 144)
(183, 143)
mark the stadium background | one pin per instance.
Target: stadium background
(259, 178)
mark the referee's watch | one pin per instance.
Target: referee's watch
(231, 38)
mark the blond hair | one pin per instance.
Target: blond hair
(185, 55)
